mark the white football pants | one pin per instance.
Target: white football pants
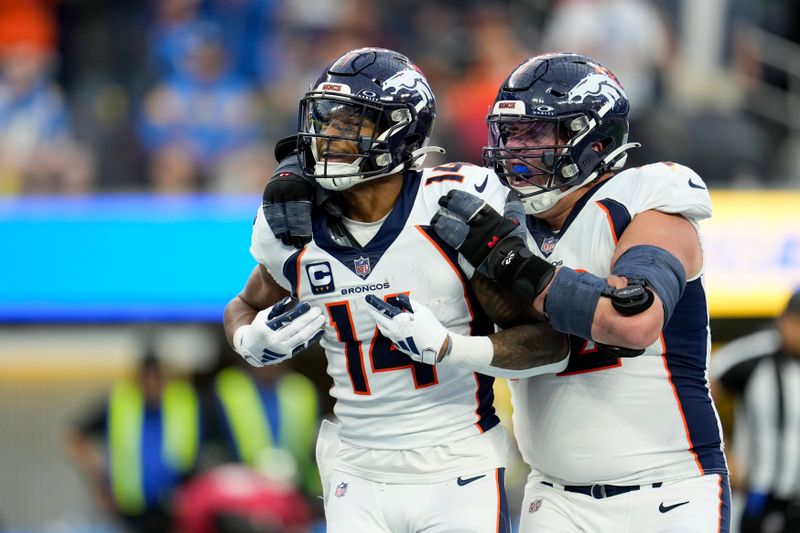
(473, 503)
(695, 505)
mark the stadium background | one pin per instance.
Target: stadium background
(135, 137)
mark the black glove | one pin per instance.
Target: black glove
(490, 241)
(287, 202)
(471, 226)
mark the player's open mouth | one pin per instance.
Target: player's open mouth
(340, 159)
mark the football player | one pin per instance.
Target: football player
(406, 325)
(627, 437)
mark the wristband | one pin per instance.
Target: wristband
(516, 269)
(238, 340)
(572, 300)
(473, 353)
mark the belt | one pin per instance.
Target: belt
(598, 492)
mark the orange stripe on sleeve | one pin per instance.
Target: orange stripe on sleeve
(610, 222)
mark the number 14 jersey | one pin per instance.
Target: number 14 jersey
(384, 400)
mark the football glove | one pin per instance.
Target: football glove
(493, 243)
(279, 332)
(411, 326)
(472, 227)
(287, 202)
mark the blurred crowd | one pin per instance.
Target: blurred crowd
(176, 96)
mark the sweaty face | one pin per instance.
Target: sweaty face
(343, 128)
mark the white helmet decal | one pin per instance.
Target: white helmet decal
(596, 85)
(411, 79)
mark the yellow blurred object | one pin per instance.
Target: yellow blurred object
(10, 182)
(752, 252)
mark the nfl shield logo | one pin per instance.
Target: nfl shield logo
(549, 244)
(362, 266)
(535, 505)
(341, 490)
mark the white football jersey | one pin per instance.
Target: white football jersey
(624, 420)
(384, 400)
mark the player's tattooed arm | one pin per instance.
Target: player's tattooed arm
(520, 351)
(528, 346)
(500, 306)
(527, 341)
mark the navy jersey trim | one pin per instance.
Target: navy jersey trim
(541, 232)
(484, 395)
(504, 516)
(387, 234)
(685, 343)
(724, 505)
(480, 325)
(291, 271)
(618, 216)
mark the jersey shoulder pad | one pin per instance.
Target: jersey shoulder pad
(452, 175)
(667, 187)
(267, 250)
(478, 181)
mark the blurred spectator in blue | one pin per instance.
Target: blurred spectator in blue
(151, 430)
(200, 125)
(174, 31)
(38, 153)
(248, 29)
(310, 33)
(251, 35)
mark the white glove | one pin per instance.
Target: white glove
(276, 334)
(411, 326)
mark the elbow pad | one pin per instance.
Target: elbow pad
(572, 297)
(658, 269)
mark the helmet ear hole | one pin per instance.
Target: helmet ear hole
(414, 140)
